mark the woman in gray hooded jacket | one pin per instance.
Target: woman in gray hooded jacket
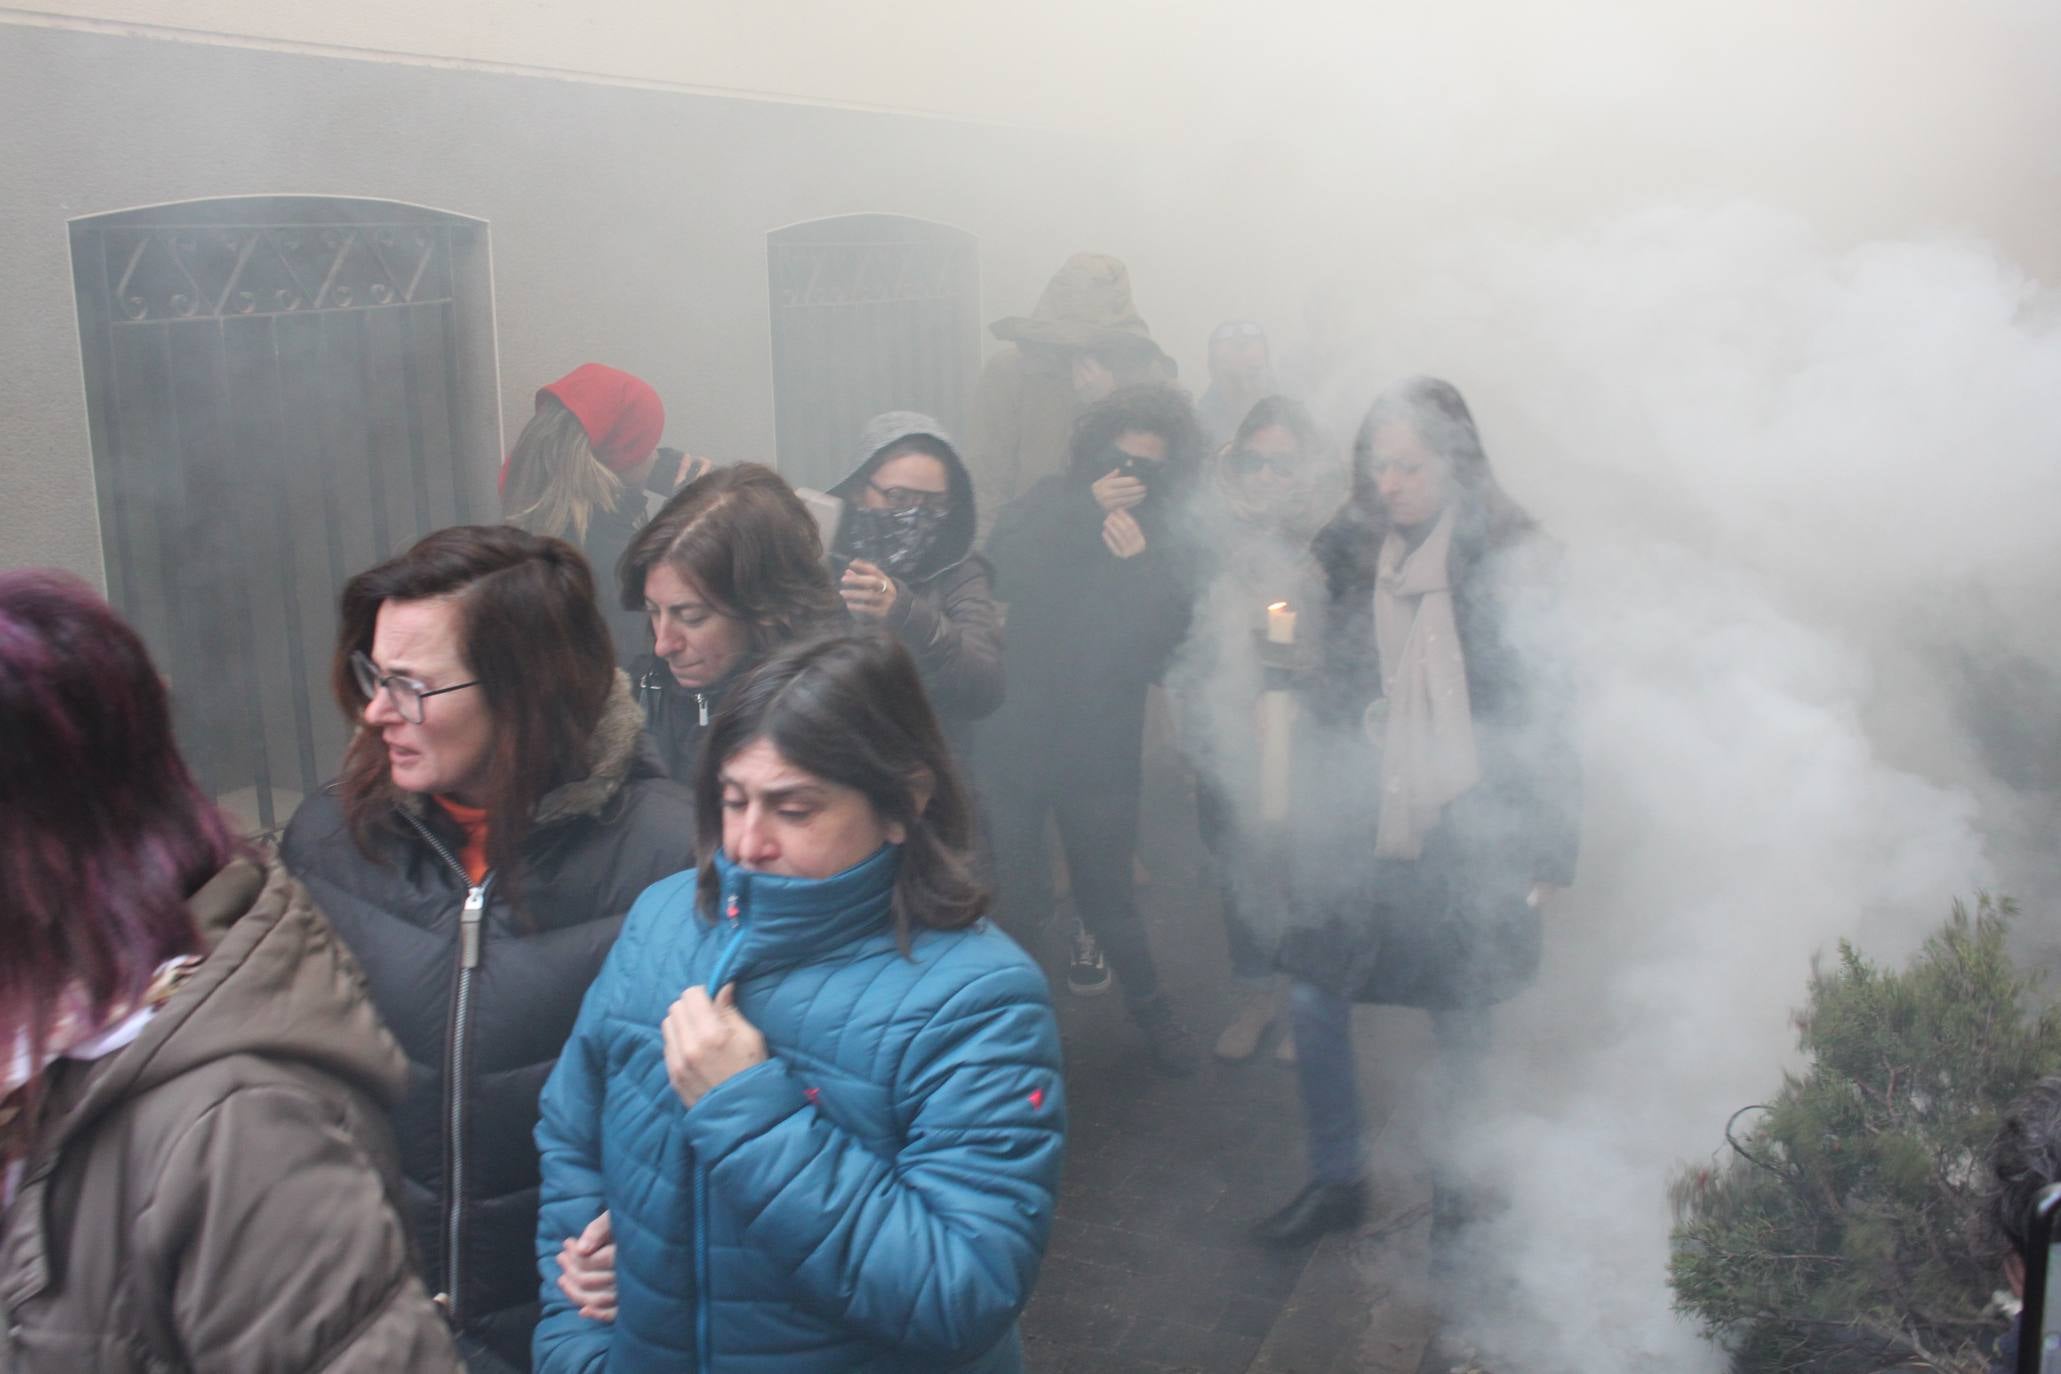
(906, 548)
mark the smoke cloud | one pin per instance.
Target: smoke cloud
(1800, 490)
(1695, 269)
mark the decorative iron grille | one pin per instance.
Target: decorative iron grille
(870, 313)
(281, 392)
(185, 273)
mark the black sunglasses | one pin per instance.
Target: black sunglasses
(1245, 463)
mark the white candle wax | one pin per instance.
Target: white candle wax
(1276, 729)
(1280, 624)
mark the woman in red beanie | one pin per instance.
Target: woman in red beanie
(579, 471)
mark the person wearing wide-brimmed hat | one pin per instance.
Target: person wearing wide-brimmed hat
(1084, 339)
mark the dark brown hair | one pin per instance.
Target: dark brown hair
(107, 835)
(1283, 412)
(747, 541)
(1433, 409)
(1318, 483)
(851, 710)
(1148, 409)
(528, 629)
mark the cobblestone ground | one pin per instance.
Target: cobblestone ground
(1149, 1269)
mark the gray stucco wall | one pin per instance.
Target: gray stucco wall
(627, 226)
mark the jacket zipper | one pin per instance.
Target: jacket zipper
(471, 923)
(652, 694)
(704, 1316)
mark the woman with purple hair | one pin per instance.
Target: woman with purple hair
(193, 1120)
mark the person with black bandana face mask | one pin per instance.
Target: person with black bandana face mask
(908, 534)
(1098, 568)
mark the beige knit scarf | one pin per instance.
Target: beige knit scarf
(1428, 756)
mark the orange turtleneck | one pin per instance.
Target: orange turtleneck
(472, 820)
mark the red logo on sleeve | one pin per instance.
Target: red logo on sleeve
(1037, 1099)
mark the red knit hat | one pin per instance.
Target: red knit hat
(622, 415)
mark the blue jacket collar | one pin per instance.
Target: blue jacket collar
(787, 920)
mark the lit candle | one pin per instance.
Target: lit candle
(1280, 624)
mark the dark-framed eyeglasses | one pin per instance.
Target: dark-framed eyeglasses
(406, 693)
(1243, 462)
(908, 498)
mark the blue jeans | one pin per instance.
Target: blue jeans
(1329, 1079)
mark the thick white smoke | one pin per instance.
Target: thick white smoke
(1797, 488)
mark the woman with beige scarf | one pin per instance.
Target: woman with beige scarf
(1438, 789)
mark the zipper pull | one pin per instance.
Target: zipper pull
(469, 925)
(701, 700)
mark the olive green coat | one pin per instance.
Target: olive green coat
(219, 1194)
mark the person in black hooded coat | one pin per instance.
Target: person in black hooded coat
(499, 811)
(908, 532)
(1099, 579)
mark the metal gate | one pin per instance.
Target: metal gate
(281, 392)
(870, 313)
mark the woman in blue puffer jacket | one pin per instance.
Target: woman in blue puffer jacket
(838, 1148)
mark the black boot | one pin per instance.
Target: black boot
(1168, 1042)
(1317, 1210)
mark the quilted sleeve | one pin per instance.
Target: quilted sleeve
(934, 1251)
(569, 1157)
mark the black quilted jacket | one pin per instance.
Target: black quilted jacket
(481, 1042)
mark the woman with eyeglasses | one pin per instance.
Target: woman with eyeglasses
(498, 812)
(1266, 495)
(908, 537)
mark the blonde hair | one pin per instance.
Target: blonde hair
(555, 483)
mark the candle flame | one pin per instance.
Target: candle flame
(1277, 606)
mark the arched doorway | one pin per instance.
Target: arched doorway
(281, 391)
(870, 313)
